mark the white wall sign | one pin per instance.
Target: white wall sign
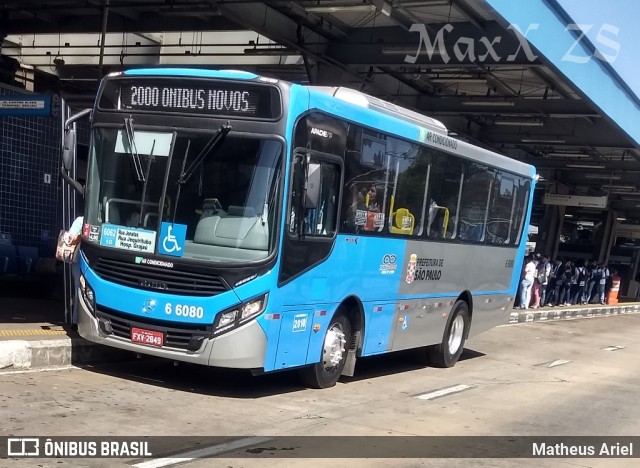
(575, 200)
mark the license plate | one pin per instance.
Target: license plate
(148, 337)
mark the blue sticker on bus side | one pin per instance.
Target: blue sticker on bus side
(299, 323)
(172, 238)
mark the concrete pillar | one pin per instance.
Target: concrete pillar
(605, 237)
(551, 226)
(549, 232)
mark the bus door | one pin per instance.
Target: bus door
(71, 193)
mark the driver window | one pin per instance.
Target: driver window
(318, 216)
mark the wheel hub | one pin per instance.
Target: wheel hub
(334, 344)
(455, 334)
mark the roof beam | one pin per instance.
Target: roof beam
(314, 47)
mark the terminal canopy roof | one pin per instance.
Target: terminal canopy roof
(498, 73)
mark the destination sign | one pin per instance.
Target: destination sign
(192, 96)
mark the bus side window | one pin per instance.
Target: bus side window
(438, 221)
(445, 186)
(322, 220)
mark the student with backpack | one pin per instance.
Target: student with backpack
(568, 278)
(600, 275)
(543, 272)
(591, 283)
(558, 291)
(581, 283)
(602, 287)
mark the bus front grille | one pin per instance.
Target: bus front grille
(159, 279)
(177, 338)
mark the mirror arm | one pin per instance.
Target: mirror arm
(74, 183)
(75, 117)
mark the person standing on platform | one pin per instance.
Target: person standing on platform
(601, 274)
(581, 283)
(527, 282)
(553, 297)
(73, 237)
(543, 272)
(591, 283)
(568, 279)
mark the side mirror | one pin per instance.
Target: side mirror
(69, 149)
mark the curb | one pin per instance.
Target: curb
(572, 313)
(29, 354)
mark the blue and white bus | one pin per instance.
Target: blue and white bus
(239, 221)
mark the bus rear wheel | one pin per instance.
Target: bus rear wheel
(447, 353)
(325, 374)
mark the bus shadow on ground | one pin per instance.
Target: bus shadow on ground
(193, 378)
(398, 362)
(240, 384)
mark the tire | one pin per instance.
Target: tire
(325, 374)
(447, 353)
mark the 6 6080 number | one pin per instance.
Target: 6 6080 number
(185, 311)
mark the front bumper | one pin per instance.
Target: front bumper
(242, 348)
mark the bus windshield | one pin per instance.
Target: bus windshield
(224, 212)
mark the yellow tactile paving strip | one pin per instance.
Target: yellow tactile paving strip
(31, 332)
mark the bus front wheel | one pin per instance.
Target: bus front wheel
(447, 353)
(325, 374)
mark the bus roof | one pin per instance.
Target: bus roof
(405, 123)
(371, 102)
(192, 72)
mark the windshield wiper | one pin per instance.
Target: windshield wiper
(208, 148)
(144, 186)
(185, 175)
(133, 150)
(184, 163)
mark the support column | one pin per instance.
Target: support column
(103, 37)
(606, 237)
(549, 232)
(551, 229)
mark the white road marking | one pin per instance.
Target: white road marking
(557, 362)
(612, 348)
(444, 391)
(44, 369)
(201, 453)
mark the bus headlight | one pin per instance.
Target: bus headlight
(88, 295)
(227, 318)
(230, 319)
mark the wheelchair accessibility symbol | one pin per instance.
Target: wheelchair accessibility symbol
(172, 238)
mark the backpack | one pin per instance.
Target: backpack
(582, 276)
(568, 274)
(543, 273)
